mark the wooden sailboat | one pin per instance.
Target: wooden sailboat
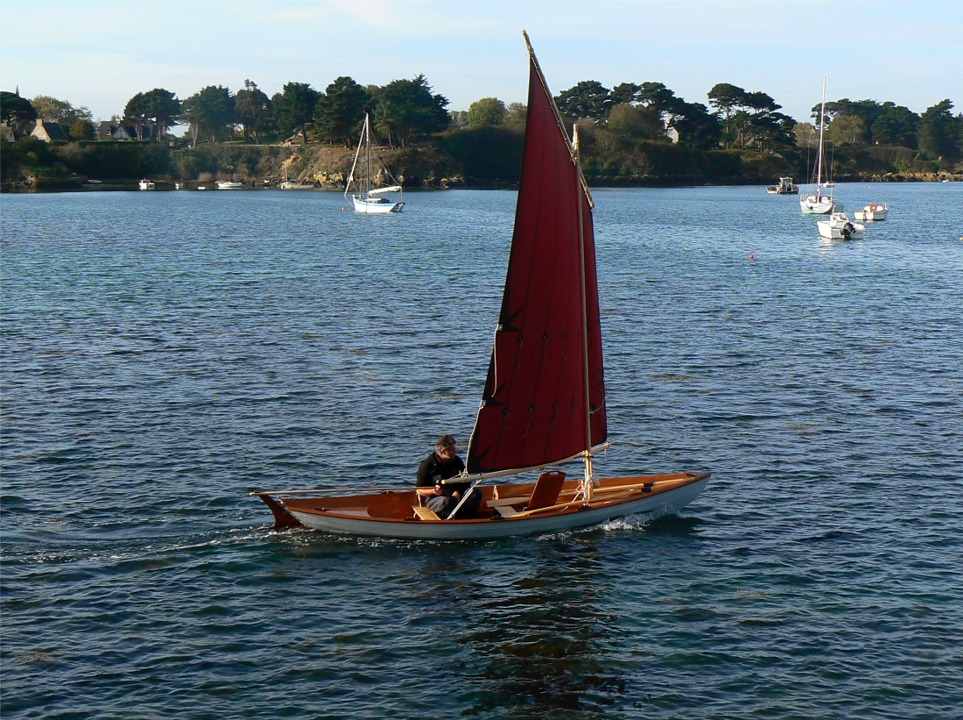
(544, 398)
(369, 199)
(816, 203)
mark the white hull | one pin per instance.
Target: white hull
(145, 185)
(785, 186)
(840, 227)
(871, 213)
(655, 504)
(375, 206)
(817, 205)
(229, 185)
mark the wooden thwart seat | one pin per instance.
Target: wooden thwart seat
(544, 494)
(425, 513)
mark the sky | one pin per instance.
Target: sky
(98, 54)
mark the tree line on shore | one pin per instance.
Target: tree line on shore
(624, 118)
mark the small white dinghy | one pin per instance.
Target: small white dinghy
(872, 212)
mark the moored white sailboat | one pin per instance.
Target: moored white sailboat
(544, 398)
(816, 203)
(370, 199)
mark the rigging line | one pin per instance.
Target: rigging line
(357, 154)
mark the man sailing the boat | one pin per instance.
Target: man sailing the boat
(437, 495)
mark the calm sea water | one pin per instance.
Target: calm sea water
(165, 353)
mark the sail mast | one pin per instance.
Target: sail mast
(367, 155)
(588, 480)
(819, 160)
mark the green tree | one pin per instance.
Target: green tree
(339, 111)
(210, 113)
(59, 111)
(406, 110)
(625, 93)
(866, 111)
(697, 127)
(635, 122)
(517, 112)
(846, 130)
(83, 130)
(657, 96)
(158, 106)
(806, 135)
(939, 132)
(487, 111)
(726, 99)
(294, 108)
(14, 109)
(767, 128)
(164, 109)
(253, 110)
(589, 100)
(896, 126)
(751, 118)
(135, 112)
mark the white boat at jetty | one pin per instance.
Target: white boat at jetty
(295, 185)
(840, 227)
(229, 185)
(543, 402)
(146, 184)
(872, 212)
(369, 199)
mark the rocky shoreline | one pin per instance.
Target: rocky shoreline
(438, 164)
(335, 183)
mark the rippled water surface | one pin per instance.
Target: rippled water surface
(163, 354)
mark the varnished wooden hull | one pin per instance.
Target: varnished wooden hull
(390, 514)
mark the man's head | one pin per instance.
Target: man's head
(446, 448)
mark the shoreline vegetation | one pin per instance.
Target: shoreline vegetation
(632, 135)
(472, 159)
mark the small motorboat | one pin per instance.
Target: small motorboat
(785, 186)
(839, 226)
(229, 185)
(872, 212)
(146, 184)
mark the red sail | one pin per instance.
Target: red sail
(533, 409)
